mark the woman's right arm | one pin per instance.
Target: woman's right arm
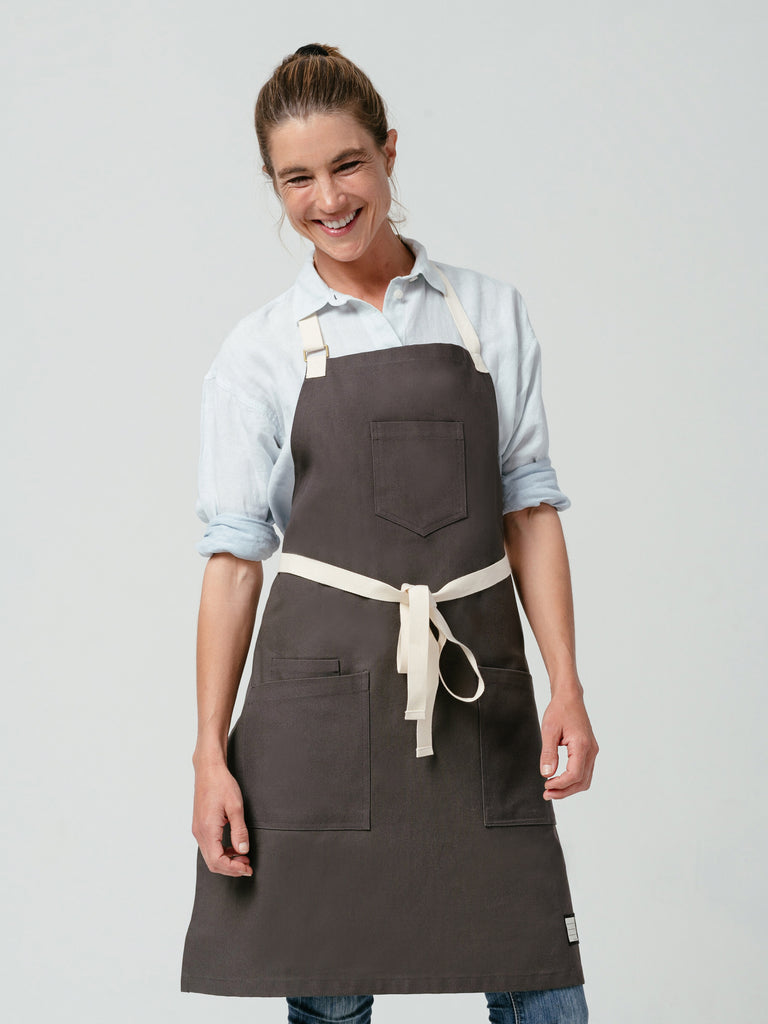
(230, 595)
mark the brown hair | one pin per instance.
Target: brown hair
(317, 79)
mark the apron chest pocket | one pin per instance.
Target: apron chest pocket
(306, 749)
(510, 750)
(419, 473)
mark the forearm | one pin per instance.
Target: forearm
(539, 562)
(230, 596)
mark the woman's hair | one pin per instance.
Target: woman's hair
(317, 80)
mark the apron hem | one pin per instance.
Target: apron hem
(537, 981)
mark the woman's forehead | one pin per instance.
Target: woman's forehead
(318, 138)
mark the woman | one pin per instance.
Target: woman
(385, 413)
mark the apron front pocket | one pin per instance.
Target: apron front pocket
(306, 752)
(419, 473)
(510, 750)
(293, 668)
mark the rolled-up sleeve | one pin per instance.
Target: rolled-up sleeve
(239, 443)
(527, 475)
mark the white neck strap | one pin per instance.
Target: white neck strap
(316, 351)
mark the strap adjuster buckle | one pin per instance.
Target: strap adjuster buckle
(321, 347)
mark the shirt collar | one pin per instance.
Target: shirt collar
(311, 293)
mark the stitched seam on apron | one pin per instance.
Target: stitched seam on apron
(396, 977)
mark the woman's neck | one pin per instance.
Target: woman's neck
(368, 278)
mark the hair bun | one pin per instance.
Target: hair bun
(312, 50)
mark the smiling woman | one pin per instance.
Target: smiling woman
(333, 180)
(385, 414)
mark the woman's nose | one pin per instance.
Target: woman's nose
(331, 198)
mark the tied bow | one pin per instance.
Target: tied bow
(418, 655)
(418, 650)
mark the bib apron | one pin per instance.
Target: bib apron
(388, 746)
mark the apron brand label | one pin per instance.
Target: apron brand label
(570, 927)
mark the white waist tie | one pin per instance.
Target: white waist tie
(418, 650)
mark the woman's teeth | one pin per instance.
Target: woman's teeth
(339, 223)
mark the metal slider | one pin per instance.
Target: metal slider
(319, 349)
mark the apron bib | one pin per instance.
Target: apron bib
(388, 747)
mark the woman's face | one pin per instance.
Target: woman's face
(333, 180)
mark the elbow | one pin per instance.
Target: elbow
(520, 525)
(240, 572)
(519, 517)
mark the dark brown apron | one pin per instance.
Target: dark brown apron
(384, 863)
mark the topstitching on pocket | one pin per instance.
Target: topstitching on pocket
(419, 473)
(281, 667)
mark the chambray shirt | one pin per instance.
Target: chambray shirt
(246, 472)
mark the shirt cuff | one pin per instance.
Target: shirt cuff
(530, 485)
(240, 536)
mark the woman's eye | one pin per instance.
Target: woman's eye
(350, 166)
(301, 180)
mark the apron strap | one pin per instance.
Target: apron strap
(316, 351)
(463, 323)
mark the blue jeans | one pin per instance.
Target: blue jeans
(547, 1006)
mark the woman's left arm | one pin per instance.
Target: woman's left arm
(535, 546)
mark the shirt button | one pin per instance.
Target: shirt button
(398, 293)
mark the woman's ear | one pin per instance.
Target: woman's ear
(390, 149)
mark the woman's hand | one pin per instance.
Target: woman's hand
(566, 724)
(218, 800)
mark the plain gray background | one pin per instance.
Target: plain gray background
(611, 163)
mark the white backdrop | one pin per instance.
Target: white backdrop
(609, 162)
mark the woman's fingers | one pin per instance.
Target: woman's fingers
(564, 787)
(566, 723)
(218, 802)
(550, 737)
(220, 860)
(237, 828)
(578, 772)
(228, 862)
(572, 779)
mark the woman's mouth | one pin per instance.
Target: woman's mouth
(340, 226)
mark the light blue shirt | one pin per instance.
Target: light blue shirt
(246, 472)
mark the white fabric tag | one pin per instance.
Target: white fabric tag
(570, 927)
